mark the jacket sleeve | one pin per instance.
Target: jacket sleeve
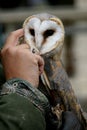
(20, 107)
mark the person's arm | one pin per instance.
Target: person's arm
(21, 103)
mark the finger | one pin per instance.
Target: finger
(40, 64)
(13, 38)
(23, 46)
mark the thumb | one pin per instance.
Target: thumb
(40, 64)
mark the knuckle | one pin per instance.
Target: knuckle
(6, 51)
(35, 61)
(39, 58)
(9, 50)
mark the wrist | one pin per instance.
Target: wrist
(34, 82)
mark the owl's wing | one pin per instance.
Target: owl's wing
(62, 96)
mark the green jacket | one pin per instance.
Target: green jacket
(22, 107)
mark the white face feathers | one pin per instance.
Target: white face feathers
(44, 33)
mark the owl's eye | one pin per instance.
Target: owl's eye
(32, 32)
(48, 33)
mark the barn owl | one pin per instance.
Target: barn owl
(44, 33)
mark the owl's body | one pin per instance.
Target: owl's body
(45, 35)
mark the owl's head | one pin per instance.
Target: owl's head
(44, 33)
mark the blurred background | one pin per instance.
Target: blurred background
(73, 13)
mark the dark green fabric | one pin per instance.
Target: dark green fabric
(25, 89)
(34, 96)
(18, 113)
(2, 77)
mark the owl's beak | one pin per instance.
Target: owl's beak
(35, 50)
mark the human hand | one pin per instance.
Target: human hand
(19, 62)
